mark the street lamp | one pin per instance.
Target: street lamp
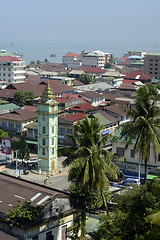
(16, 162)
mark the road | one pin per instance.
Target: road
(56, 179)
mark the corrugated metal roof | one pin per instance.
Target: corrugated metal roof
(101, 119)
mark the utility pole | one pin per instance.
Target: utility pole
(16, 162)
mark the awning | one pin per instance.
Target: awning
(32, 142)
(106, 132)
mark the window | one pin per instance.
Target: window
(62, 131)
(43, 151)
(156, 69)
(52, 129)
(43, 141)
(4, 123)
(52, 150)
(150, 72)
(52, 141)
(69, 131)
(49, 236)
(156, 60)
(156, 64)
(120, 151)
(9, 75)
(4, 74)
(43, 130)
(11, 125)
(132, 153)
(18, 126)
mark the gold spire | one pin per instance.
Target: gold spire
(47, 94)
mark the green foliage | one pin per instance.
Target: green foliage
(21, 97)
(32, 63)
(144, 129)
(3, 134)
(86, 78)
(130, 219)
(21, 145)
(90, 167)
(23, 215)
(46, 180)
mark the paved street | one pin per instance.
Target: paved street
(56, 179)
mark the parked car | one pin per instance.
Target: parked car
(129, 181)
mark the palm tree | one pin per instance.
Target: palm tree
(144, 128)
(90, 164)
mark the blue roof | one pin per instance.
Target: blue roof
(135, 56)
(106, 132)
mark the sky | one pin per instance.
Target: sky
(80, 21)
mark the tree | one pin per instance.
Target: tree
(90, 163)
(3, 134)
(86, 78)
(21, 97)
(130, 220)
(23, 215)
(21, 145)
(144, 127)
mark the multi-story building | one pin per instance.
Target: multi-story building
(152, 65)
(72, 60)
(11, 69)
(94, 59)
(137, 53)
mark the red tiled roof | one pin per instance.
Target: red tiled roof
(138, 75)
(123, 59)
(94, 70)
(19, 115)
(73, 116)
(9, 59)
(72, 55)
(31, 108)
(66, 95)
(82, 107)
(127, 81)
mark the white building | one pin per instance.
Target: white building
(73, 60)
(94, 59)
(11, 69)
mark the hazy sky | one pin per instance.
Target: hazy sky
(84, 20)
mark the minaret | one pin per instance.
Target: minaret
(47, 131)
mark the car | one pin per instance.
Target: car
(129, 181)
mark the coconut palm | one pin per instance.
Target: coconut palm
(144, 128)
(90, 163)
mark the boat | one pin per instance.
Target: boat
(53, 55)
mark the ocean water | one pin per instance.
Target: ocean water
(41, 50)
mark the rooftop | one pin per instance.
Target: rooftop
(71, 54)
(115, 108)
(73, 117)
(13, 189)
(19, 115)
(9, 59)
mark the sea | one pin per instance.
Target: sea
(40, 50)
